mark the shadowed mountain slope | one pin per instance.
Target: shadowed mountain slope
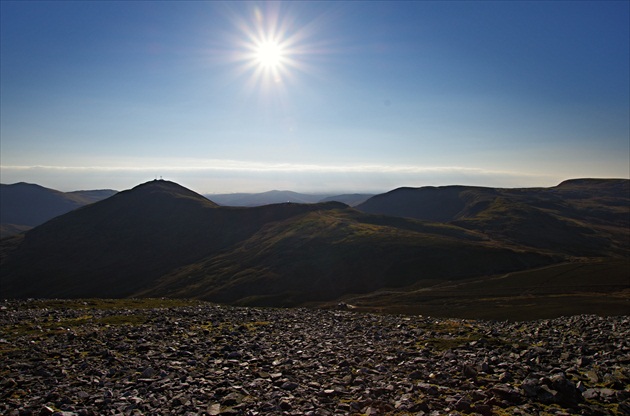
(25, 205)
(437, 204)
(120, 245)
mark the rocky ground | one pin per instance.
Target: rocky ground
(208, 360)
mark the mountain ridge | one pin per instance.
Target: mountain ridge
(349, 253)
(26, 205)
(131, 238)
(581, 212)
(162, 239)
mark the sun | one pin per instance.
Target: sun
(272, 50)
(270, 55)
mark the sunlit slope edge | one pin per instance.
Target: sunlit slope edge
(121, 245)
(325, 254)
(581, 217)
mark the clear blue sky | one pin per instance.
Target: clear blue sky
(362, 96)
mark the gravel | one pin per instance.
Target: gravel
(219, 360)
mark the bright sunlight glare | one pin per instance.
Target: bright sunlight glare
(272, 47)
(270, 54)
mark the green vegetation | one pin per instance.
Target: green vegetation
(443, 344)
(228, 327)
(323, 254)
(111, 304)
(63, 325)
(98, 313)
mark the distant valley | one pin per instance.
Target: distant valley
(277, 197)
(413, 249)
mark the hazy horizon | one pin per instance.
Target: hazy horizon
(313, 97)
(323, 193)
(247, 181)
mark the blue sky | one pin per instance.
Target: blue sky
(365, 96)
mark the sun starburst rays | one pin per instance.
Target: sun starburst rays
(270, 49)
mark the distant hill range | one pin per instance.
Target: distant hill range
(582, 217)
(24, 205)
(160, 239)
(278, 197)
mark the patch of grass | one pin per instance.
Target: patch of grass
(231, 326)
(27, 330)
(129, 319)
(6, 350)
(49, 328)
(122, 320)
(443, 344)
(111, 304)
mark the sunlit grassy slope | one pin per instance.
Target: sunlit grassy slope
(324, 254)
(582, 217)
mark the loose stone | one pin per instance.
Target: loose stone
(218, 360)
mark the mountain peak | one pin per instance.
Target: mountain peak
(161, 184)
(158, 182)
(593, 182)
(27, 186)
(163, 189)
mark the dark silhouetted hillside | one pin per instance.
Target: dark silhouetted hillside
(441, 204)
(25, 205)
(122, 244)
